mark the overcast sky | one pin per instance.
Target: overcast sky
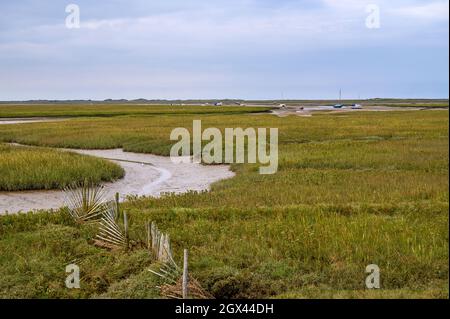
(252, 49)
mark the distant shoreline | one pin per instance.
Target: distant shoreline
(234, 101)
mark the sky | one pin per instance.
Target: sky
(247, 49)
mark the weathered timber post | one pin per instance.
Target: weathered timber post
(185, 275)
(149, 236)
(125, 225)
(117, 207)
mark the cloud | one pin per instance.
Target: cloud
(221, 47)
(205, 26)
(433, 11)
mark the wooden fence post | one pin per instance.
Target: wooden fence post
(125, 225)
(149, 236)
(117, 206)
(185, 275)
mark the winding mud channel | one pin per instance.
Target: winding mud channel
(308, 111)
(26, 120)
(145, 175)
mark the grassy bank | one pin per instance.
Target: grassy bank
(23, 168)
(299, 251)
(351, 190)
(419, 104)
(108, 110)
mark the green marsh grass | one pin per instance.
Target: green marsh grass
(25, 168)
(108, 110)
(351, 190)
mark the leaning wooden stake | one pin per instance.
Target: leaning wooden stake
(185, 275)
(117, 207)
(125, 225)
(149, 236)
